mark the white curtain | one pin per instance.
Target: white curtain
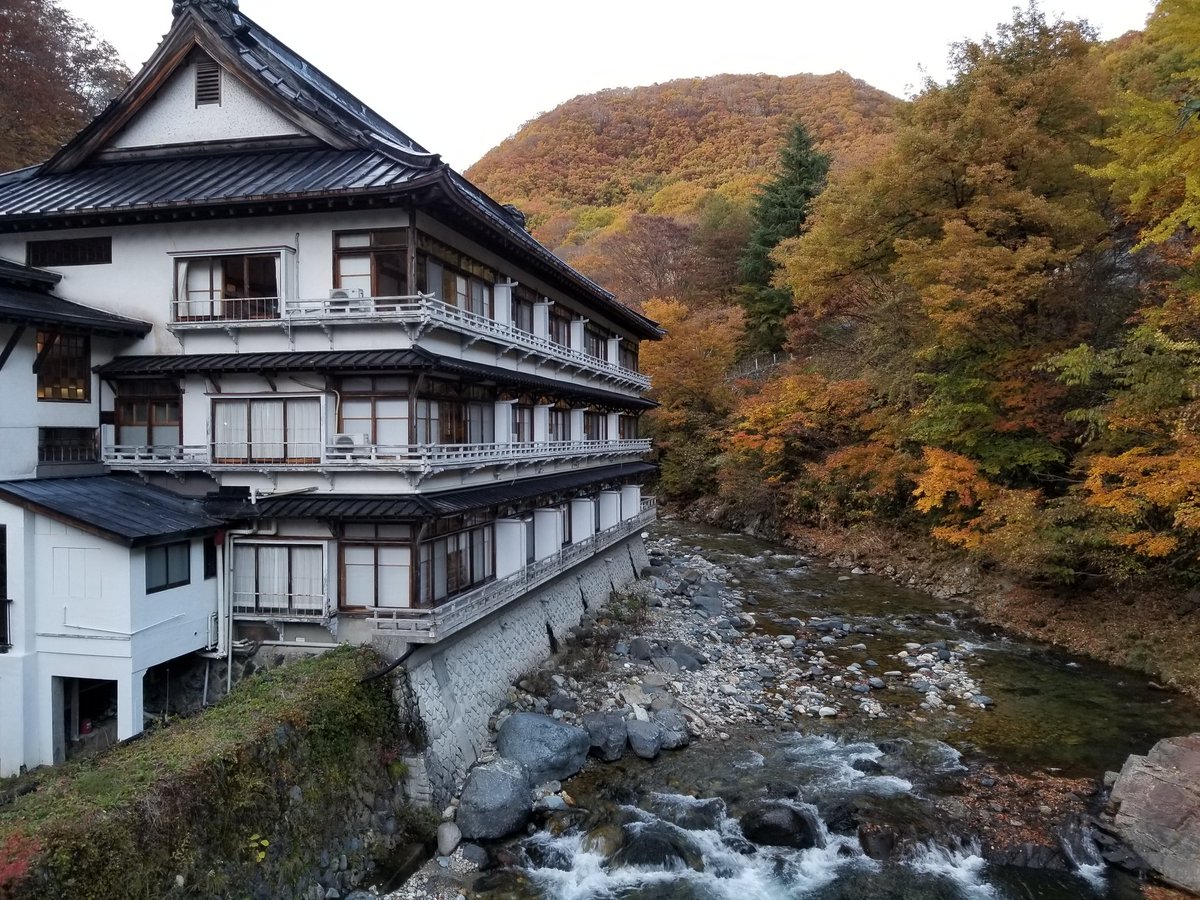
(266, 430)
(304, 428)
(391, 423)
(308, 582)
(229, 429)
(393, 577)
(245, 565)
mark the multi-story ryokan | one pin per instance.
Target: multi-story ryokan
(271, 370)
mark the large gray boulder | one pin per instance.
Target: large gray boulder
(607, 734)
(1157, 801)
(673, 727)
(495, 800)
(780, 824)
(708, 599)
(645, 738)
(548, 749)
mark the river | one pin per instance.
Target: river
(919, 780)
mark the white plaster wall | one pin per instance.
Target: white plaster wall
(140, 280)
(167, 624)
(172, 116)
(21, 413)
(18, 711)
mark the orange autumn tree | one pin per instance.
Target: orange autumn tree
(688, 369)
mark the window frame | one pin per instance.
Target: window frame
(249, 458)
(70, 371)
(371, 251)
(232, 308)
(88, 251)
(153, 392)
(166, 548)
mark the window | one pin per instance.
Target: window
(560, 326)
(522, 424)
(627, 355)
(279, 579)
(208, 83)
(376, 569)
(210, 558)
(267, 430)
(168, 566)
(595, 342)
(524, 302)
(454, 277)
(629, 427)
(67, 445)
(148, 414)
(560, 425)
(229, 287)
(374, 262)
(595, 426)
(91, 251)
(64, 363)
(456, 562)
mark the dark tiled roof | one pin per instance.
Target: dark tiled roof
(181, 181)
(18, 272)
(26, 307)
(119, 508)
(421, 506)
(355, 361)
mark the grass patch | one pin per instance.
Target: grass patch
(185, 799)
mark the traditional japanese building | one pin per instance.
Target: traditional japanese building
(271, 371)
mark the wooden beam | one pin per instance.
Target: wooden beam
(11, 345)
(51, 340)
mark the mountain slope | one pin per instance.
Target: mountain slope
(684, 151)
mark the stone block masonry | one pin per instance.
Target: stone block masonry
(454, 687)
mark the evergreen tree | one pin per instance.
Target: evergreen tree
(779, 213)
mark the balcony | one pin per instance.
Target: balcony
(278, 454)
(426, 626)
(417, 314)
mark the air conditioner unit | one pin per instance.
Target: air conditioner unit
(346, 300)
(346, 294)
(350, 446)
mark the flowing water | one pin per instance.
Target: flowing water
(670, 829)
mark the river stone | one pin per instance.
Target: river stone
(779, 824)
(1157, 800)
(708, 599)
(604, 840)
(673, 729)
(645, 738)
(448, 837)
(642, 649)
(547, 748)
(495, 800)
(687, 656)
(665, 664)
(658, 845)
(607, 734)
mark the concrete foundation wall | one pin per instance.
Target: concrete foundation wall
(452, 688)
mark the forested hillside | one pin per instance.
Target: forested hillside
(991, 307)
(648, 189)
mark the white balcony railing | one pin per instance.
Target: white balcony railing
(425, 626)
(424, 458)
(417, 313)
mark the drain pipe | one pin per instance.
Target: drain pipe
(227, 577)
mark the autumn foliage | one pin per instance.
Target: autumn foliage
(994, 330)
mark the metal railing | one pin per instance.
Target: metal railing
(425, 626)
(5, 625)
(284, 606)
(414, 311)
(403, 457)
(197, 311)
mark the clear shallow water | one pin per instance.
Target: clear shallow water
(669, 830)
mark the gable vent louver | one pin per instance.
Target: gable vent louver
(208, 83)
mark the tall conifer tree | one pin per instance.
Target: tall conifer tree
(779, 212)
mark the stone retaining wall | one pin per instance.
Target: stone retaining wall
(452, 688)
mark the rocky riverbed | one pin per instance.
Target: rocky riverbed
(698, 653)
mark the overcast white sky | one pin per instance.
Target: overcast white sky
(461, 75)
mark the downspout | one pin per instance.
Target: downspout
(227, 577)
